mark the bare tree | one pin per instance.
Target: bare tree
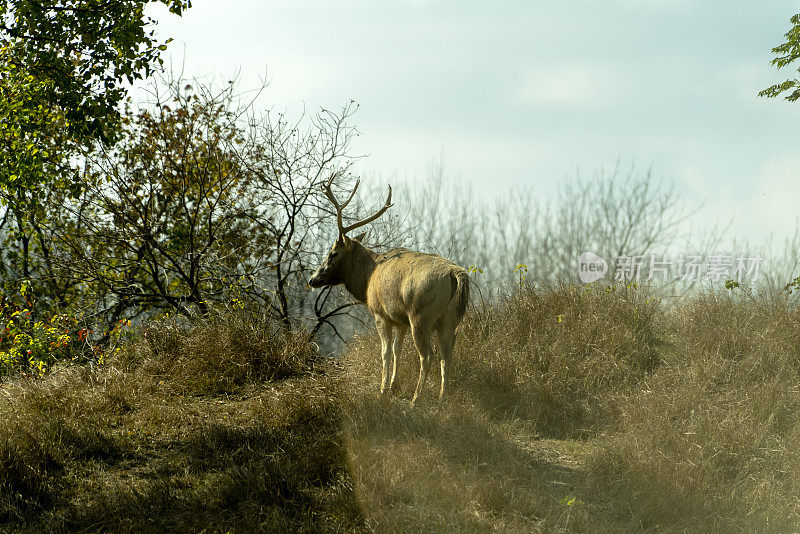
(290, 161)
(616, 214)
(204, 201)
(515, 233)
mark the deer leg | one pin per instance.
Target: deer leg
(447, 337)
(385, 333)
(422, 340)
(400, 334)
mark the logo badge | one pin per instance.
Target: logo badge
(591, 267)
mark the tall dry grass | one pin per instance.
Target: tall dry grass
(551, 356)
(555, 355)
(221, 353)
(219, 425)
(571, 409)
(590, 410)
(711, 440)
(544, 363)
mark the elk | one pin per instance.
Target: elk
(402, 289)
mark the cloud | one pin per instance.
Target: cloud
(773, 205)
(566, 85)
(526, 92)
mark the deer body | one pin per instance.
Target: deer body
(404, 290)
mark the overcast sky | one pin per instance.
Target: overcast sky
(531, 92)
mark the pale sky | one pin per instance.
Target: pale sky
(528, 93)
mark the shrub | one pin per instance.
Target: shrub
(222, 352)
(31, 344)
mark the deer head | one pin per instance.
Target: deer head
(340, 262)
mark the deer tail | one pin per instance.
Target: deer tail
(462, 292)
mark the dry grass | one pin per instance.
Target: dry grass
(544, 363)
(554, 356)
(589, 411)
(222, 353)
(570, 410)
(452, 470)
(179, 439)
(711, 440)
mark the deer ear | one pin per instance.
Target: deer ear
(360, 237)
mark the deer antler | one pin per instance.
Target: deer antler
(326, 188)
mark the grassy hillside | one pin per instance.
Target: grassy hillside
(222, 426)
(592, 410)
(571, 409)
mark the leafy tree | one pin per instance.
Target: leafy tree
(200, 202)
(32, 147)
(787, 53)
(80, 52)
(162, 223)
(63, 65)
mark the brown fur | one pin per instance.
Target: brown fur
(403, 290)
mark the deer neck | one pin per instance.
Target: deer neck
(362, 266)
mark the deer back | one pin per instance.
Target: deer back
(407, 286)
